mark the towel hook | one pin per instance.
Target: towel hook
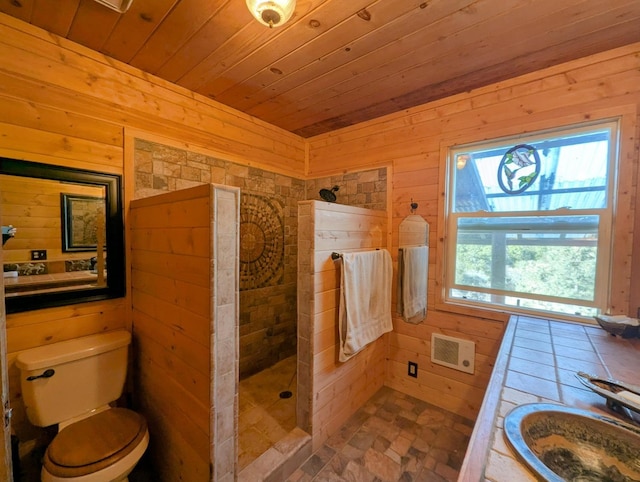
(414, 206)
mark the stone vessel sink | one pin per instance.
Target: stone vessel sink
(560, 443)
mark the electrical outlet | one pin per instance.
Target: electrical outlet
(412, 369)
(38, 254)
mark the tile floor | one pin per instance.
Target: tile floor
(393, 437)
(264, 417)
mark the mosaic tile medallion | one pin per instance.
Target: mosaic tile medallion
(261, 242)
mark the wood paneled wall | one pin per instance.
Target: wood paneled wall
(329, 392)
(35, 128)
(48, 123)
(54, 74)
(415, 142)
(170, 278)
(184, 269)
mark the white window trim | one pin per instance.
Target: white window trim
(606, 226)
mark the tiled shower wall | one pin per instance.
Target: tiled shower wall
(363, 189)
(269, 231)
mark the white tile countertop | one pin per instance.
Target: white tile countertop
(537, 362)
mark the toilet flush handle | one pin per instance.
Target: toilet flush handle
(48, 373)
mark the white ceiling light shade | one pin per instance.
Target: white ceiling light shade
(272, 13)
(117, 5)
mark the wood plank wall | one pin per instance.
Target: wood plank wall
(416, 141)
(170, 253)
(52, 74)
(39, 132)
(329, 392)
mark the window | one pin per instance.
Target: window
(529, 221)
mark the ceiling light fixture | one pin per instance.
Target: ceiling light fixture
(272, 13)
(117, 5)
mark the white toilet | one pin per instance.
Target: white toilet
(71, 383)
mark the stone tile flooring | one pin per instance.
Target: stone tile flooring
(264, 417)
(393, 437)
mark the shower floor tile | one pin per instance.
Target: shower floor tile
(393, 437)
(264, 417)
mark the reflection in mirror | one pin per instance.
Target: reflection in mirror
(64, 241)
(83, 222)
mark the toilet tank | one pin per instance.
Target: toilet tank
(84, 374)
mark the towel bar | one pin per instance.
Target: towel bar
(335, 255)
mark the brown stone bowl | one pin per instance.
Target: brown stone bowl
(560, 443)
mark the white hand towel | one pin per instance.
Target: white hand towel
(413, 267)
(365, 300)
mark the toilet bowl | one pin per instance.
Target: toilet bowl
(73, 384)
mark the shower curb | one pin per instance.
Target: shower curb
(281, 460)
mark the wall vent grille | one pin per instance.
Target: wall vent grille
(453, 352)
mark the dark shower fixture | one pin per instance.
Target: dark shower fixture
(328, 194)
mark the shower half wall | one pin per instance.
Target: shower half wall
(184, 270)
(329, 391)
(268, 249)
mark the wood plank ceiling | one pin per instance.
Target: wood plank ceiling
(338, 62)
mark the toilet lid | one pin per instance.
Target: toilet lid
(96, 438)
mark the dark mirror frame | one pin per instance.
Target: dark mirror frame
(115, 260)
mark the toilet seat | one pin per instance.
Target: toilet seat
(94, 443)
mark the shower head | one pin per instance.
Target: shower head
(328, 194)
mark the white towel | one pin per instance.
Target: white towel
(365, 300)
(413, 266)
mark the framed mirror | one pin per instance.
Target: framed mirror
(63, 235)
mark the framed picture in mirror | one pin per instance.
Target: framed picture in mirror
(83, 222)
